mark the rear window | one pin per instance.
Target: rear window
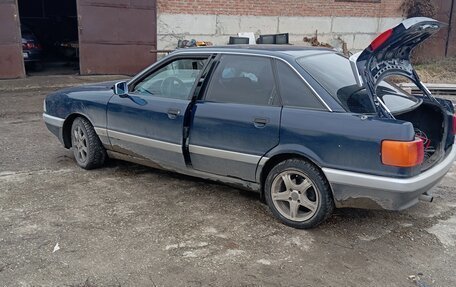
(334, 73)
(395, 98)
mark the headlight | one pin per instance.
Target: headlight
(44, 106)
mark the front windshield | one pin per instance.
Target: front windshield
(334, 73)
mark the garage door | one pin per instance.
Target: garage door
(116, 36)
(11, 61)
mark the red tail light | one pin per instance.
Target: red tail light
(402, 154)
(381, 39)
(30, 45)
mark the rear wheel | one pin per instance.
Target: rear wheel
(298, 194)
(87, 147)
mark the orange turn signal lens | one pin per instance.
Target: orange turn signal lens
(402, 154)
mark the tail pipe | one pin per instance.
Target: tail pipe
(426, 197)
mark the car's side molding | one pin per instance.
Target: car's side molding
(236, 182)
(104, 134)
(225, 154)
(101, 132)
(145, 141)
(201, 150)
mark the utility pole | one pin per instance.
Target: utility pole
(449, 28)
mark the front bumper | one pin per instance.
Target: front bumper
(54, 125)
(351, 189)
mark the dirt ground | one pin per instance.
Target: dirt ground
(128, 225)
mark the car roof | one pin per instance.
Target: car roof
(269, 50)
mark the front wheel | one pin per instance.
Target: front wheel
(298, 194)
(87, 147)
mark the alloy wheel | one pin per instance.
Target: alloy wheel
(294, 195)
(80, 144)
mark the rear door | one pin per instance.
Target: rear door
(148, 122)
(238, 120)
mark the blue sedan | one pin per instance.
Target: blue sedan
(306, 127)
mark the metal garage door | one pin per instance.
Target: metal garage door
(11, 61)
(115, 36)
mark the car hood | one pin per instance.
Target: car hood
(389, 54)
(95, 87)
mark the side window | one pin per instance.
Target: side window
(243, 80)
(175, 80)
(293, 91)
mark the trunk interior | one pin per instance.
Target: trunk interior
(428, 120)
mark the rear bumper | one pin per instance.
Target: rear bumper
(351, 189)
(54, 125)
(32, 55)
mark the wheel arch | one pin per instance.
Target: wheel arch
(66, 129)
(283, 156)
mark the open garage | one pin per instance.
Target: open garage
(49, 31)
(82, 36)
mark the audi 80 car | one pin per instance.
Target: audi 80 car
(308, 128)
(32, 51)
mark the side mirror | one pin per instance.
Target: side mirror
(121, 88)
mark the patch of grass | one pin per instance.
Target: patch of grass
(441, 71)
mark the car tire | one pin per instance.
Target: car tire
(298, 194)
(88, 150)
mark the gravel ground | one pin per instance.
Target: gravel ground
(128, 225)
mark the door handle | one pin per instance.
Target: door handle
(173, 113)
(260, 122)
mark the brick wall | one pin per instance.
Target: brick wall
(341, 8)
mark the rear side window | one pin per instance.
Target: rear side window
(334, 73)
(243, 80)
(293, 91)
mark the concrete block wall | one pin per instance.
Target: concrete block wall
(356, 22)
(357, 32)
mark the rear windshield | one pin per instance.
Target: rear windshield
(334, 73)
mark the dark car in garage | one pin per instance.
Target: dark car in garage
(306, 127)
(32, 50)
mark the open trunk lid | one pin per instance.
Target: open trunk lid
(389, 54)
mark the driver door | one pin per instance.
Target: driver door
(147, 122)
